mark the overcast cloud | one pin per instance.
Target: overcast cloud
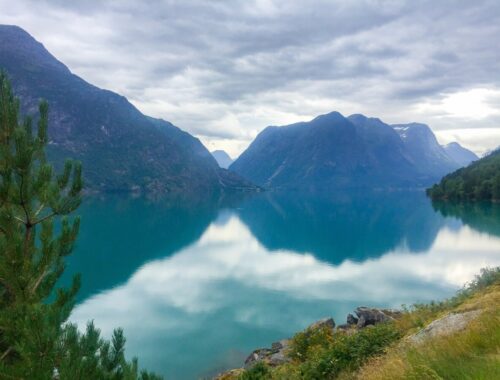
(224, 70)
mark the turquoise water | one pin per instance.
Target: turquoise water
(198, 286)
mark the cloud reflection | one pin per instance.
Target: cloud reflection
(229, 293)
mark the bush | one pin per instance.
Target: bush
(259, 371)
(348, 352)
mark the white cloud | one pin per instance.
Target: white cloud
(226, 70)
(473, 104)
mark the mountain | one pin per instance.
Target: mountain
(120, 148)
(424, 151)
(332, 151)
(460, 154)
(222, 158)
(478, 181)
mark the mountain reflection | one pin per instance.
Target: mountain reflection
(191, 311)
(482, 216)
(119, 234)
(334, 227)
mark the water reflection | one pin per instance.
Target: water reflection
(120, 234)
(338, 226)
(482, 216)
(266, 269)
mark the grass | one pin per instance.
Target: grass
(470, 354)
(382, 352)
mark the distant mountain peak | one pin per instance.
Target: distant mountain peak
(330, 117)
(222, 158)
(459, 154)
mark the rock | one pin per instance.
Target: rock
(372, 316)
(273, 356)
(351, 319)
(325, 322)
(446, 325)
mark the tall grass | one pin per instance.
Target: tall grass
(469, 355)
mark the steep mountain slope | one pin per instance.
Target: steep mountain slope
(121, 149)
(385, 149)
(332, 151)
(424, 151)
(460, 154)
(222, 158)
(478, 181)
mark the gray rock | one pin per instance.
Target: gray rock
(371, 316)
(351, 319)
(446, 325)
(273, 356)
(325, 322)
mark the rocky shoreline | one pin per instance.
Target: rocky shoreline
(275, 355)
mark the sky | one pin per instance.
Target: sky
(224, 70)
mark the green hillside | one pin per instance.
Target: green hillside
(478, 181)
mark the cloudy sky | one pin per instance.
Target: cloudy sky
(224, 70)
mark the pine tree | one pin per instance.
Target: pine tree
(36, 235)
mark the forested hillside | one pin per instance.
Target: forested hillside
(478, 181)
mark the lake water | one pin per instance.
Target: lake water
(197, 287)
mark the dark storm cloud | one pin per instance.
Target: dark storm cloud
(205, 63)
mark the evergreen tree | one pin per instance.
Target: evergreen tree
(496, 188)
(36, 234)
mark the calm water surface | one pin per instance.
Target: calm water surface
(198, 287)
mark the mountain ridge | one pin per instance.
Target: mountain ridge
(120, 148)
(332, 151)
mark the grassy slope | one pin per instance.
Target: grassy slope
(471, 354)
(383, 352)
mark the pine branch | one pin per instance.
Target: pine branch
(7, 352)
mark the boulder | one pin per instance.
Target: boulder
(273, 356)
(351, 319)
(446, 325)
(325, 322)
(371, 316)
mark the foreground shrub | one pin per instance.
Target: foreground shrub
(37, 233)
(347, 352)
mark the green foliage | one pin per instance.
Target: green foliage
(486, 277)
(36, 234)
(478, 181)
(323, 354)
(347, 352)
(309, 340)
(102, 359)
(259, 371)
